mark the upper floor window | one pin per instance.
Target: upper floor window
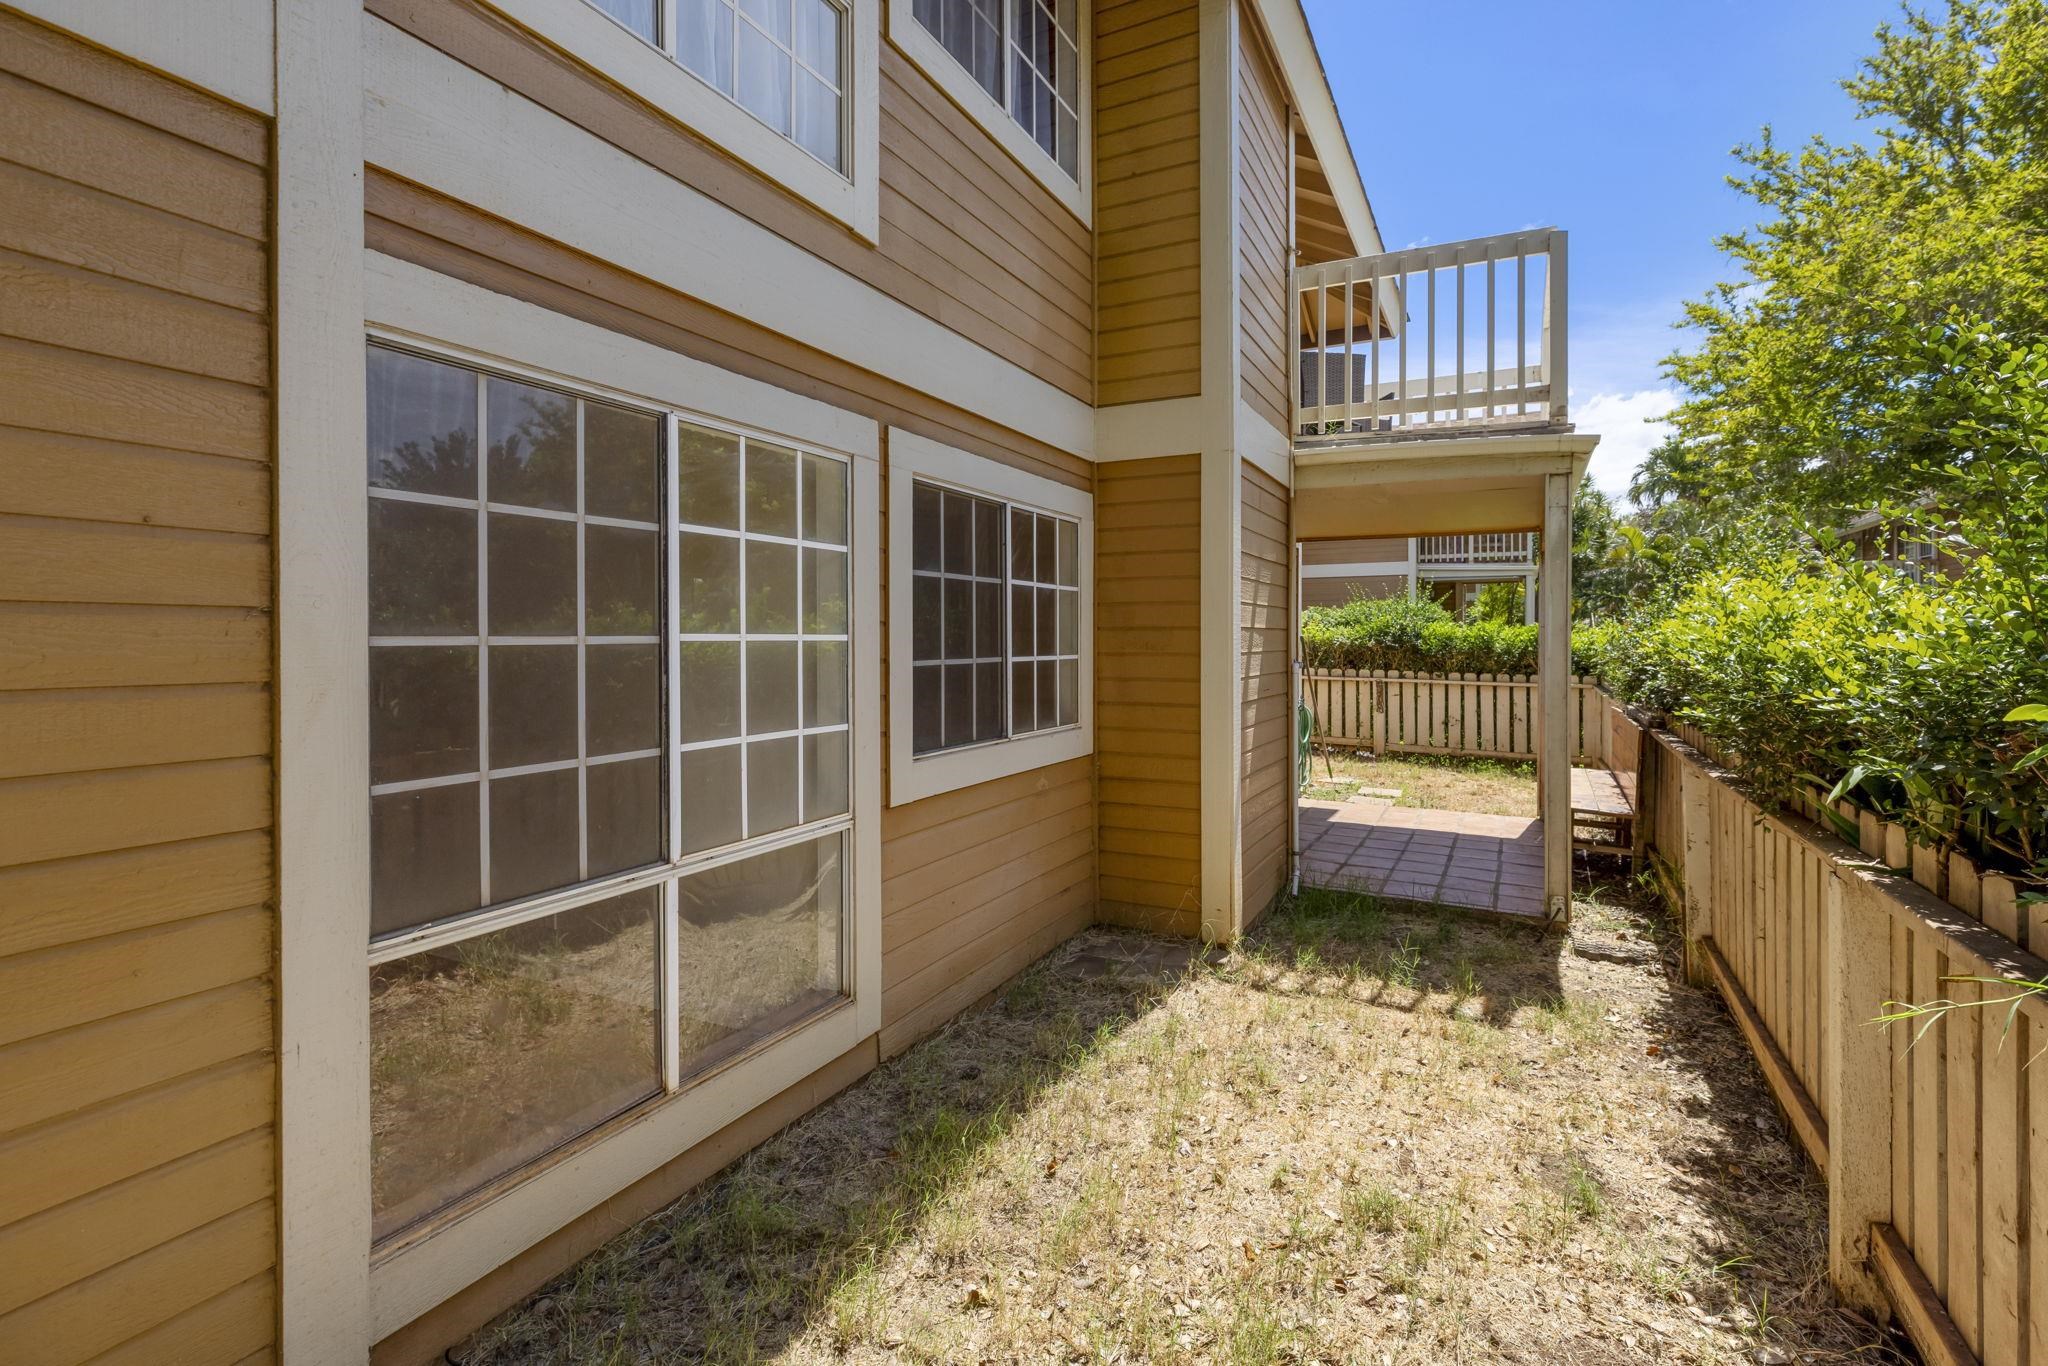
(783, 61)
(1026, 55)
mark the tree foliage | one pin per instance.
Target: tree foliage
(1809, 386)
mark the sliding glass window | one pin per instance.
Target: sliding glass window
(609, 709)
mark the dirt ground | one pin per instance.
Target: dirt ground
(1491, 787)
(1364, 1136)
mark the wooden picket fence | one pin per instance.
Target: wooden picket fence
(1934, 1143)
(1489, 716)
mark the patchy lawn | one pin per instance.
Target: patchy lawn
(1366, 1136)
(1492, 787)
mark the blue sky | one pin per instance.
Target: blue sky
(1612, 119)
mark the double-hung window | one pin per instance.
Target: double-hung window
(995, 564)
(609, 757)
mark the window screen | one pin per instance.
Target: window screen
(995, 620)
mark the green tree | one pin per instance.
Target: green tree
(1809, 385)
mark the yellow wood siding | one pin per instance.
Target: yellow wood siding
(138, 1088)
(1321, 592)
(1265, 618)
(1388, 550)
(1147, 201)
(1148, 597)
(1264, 244)
(967, 236)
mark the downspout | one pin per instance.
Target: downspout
(1294, 660)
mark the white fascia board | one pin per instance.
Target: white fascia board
(1301, 65)
(223, 46)
(1265, 445)
(407, 302)
(913, 777)
(1370, 569)
(1143, 431)
(438, 123)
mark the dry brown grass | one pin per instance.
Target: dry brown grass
(1365, 1136)
(1493, 787)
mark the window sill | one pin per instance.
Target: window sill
(952, 769)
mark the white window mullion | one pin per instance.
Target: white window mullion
(582, 665)
(672, 727)
(483, 649)
(746, 446)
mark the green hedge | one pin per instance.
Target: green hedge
(1812, 669)
(1420, 635)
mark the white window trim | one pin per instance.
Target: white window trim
(614, 51)
(914, 458)
(1077, 192)
(425, 311)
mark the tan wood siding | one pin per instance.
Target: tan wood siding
(1389, 550)
(1265, 619)
(967, 236)
(1148, 598)
(1322, 592)
(1264, 232)
(1147, 201)
(138, 1087)
(430, 230)
(977, 882)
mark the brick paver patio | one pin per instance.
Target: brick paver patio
(1452, 858)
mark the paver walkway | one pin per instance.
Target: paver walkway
(1452, 858)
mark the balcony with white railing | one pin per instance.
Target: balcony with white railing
(1457, 339)
(1507, 549)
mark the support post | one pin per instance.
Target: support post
(1554, 666)
(1222, 495)
(1859, 1079)
(1696, 868)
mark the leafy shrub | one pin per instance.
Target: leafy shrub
(1413, 634)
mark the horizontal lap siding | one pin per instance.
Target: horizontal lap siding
(1265, 619)
(138, 1085)
(1326, 592)
(1264, 231)
(1148, 597)
(1147, 201)
(967, 237)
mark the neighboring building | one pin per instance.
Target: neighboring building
(1904, 547)
(576, 575)
(1451, 569)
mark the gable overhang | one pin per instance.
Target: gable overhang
(1301, 65)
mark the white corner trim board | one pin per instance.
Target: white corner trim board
(323, 706)
(911, 777)
(223, 46)
(582, 30)
(431, 120)
(945, 71)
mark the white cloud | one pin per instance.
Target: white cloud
(1629, 425)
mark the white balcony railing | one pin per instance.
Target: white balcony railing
(1459, 337)
(1487, 548)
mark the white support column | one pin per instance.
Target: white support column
(1529, 598)
(1554, 666)
(1222, 499)
(323, 776)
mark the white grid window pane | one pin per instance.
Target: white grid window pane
(783, 61)
(489, 700)
(957, 619)
(1045, 615)
(762, 609)
(1025, 54)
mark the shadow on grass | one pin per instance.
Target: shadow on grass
(792, 1234)
(1397, 954)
